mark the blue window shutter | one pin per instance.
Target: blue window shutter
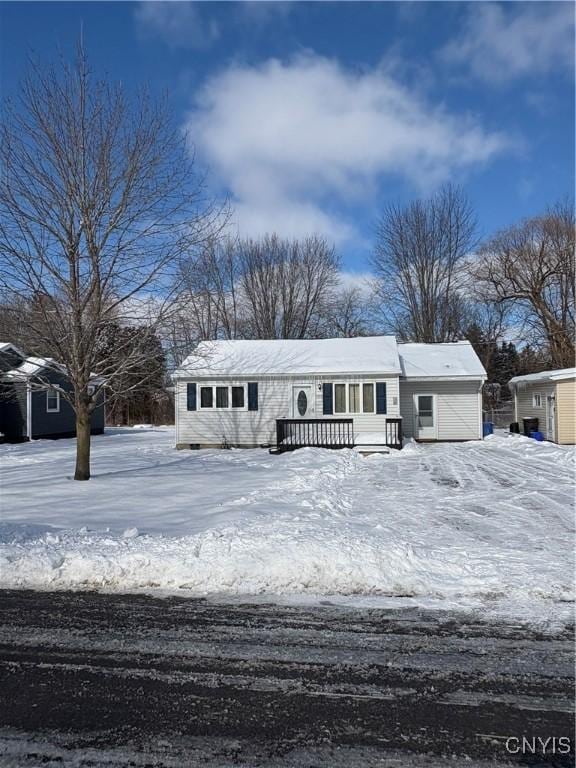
(327, 406)
(380, 397)
(252, 395)
(191, 397)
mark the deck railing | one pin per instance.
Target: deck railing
(394, 433)
(314, 433)
(328, 433)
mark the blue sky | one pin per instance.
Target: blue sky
(311, 116)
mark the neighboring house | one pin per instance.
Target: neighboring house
(31, 401)
(264, 393)
(10, 357)
(549, 396)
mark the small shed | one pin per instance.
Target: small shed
(549, 396)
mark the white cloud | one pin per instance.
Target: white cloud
(360, 281)
(410, 11)
(258, 213)
(295, 142)
(183, 24)
(500, 43)
(265, 11)
(526, 187)
(180, 24)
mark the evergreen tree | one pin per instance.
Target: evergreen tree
(505, 365)
(141, 390)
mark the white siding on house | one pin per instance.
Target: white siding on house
(364, 422)
(252, 428)
(458, 406)
(525, 408)
(242, 428)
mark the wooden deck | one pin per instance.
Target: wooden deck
(292, 434)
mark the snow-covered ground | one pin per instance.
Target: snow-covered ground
(473, 525)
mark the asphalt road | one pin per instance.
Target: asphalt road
(116, 680)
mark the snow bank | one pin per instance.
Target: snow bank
(279, 557)
(480, 524)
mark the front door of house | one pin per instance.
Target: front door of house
(303, 402)
(551, 419)
(425, 426)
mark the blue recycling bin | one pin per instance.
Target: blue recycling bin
(487, 428)
(537, 436)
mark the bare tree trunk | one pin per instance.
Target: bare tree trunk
(82, 444)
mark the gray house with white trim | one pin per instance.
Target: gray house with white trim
(262, 392)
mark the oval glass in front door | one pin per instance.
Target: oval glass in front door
(302, 401)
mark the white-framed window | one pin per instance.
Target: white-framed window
(536, 400)
(206, 397)
(340, 404)
(238, 398)
(223, 397)
(52, 401)
(355, 397)
(368, 397)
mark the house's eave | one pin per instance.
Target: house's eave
(6, 346)
(542, 377)
(193, 376)
(42, 365)
(478, 377)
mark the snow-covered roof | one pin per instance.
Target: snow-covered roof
(370, 354)
(446, 360)
(33, 366)
(7, 346)
(557, 375)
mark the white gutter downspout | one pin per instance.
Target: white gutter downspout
(176, 409)
(28, 410)
(515, 393)
(480, 410)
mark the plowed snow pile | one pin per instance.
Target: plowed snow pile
(485, 524)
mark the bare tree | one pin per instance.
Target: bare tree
(488, 326)
(210, 281)
(531, 267)
(98, 200)
(418, 265)
(267, 288)
(192, 320)
(285, 284)
(12, 308)
(208, 305)
(347, 314)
